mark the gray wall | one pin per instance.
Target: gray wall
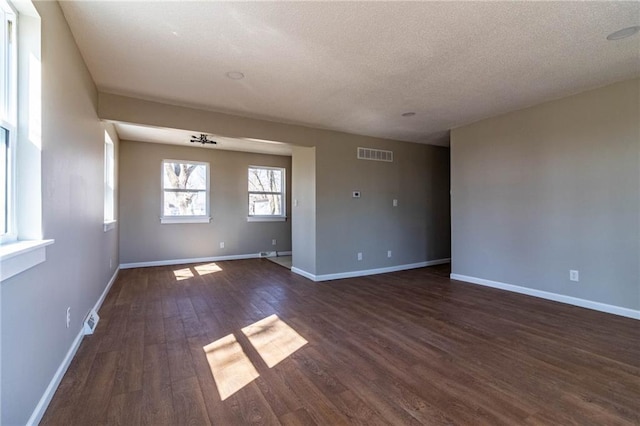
(34, 337)
(143, 238)
(417, 230)
(551, 188)
(303, 221)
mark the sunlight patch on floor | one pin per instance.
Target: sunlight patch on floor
(183, 274)
(198, 270)
(231, 368)
(208, 268)
(273, 339)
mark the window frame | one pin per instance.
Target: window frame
(109, 183)
(9, 113)
(283, 197)
(171, 219)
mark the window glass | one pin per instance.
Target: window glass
(109, 179)
(266, 191)
(4, 157)
(185, 188)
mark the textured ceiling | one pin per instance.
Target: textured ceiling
(356, 66)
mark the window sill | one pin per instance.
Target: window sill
(199, 219)
(266, 218)
(109, 225)
(19, 256)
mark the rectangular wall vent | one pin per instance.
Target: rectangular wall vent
(375, 154)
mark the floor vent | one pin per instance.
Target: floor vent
(375, 154)
(91, 322)
(268, 254)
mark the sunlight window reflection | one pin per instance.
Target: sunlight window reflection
(208, 268)
(231, 368)
(273, 339)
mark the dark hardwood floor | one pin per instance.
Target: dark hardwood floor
(248, 341)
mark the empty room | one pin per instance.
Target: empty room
(319, 213)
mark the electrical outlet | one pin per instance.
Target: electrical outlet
(574, 275)
(388, 253)
(359, 256)
(295, 202)
(395, 203)
(111, 263)
(221, 244)
(273, 242)
(68, 316)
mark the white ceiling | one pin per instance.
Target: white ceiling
(356, 66)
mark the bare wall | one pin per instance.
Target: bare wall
(34, 336)
(551, 188)
(415, 231)
(303, 221)
(144, 239)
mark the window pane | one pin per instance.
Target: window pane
(4, 164)
(265, 205)
(109, 179)
(185, 176)
(265, 180)
(178, 203)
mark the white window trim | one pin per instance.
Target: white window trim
(109, 194)
(108, 225)
(19, 256)
(266, 218)
(185, 219)
(10, 121)
(12, 234)
(271, 218)
(22, 249)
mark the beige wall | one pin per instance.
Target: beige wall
(303, 220)
(144, 239)
(551, 188)
(34, 336)
(415, 231)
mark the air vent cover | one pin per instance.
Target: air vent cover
(375, 154)
(91, 322)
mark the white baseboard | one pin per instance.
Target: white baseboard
(304, 273)
(285, 253)
(185, 261)
(98, 304)
(37, 414)
(40, 409)
(363, 273)
(583, 303)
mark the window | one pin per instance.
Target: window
(185, 192)
(22, 246)
(4, 180)
(266, 193)
(8, 120)
(109, 183)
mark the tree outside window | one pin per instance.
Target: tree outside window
(185, 190)
(266, 192)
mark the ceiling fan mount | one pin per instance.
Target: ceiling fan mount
(203, 139)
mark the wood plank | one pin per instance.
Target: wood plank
(157, 401)
(188, 402)
(253, 343)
